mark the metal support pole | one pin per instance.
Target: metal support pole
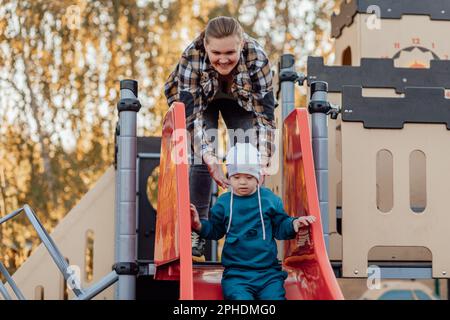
(4, 292)
(10, 216)
(320, 151)
(61, 263)
(11, 283)
(52, 249)
(288, 77)
(116, 204)
(97, 288)
(126, 266)
(319, 107)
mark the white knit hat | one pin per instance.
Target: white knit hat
(244, 158)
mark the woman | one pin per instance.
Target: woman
(223, 70)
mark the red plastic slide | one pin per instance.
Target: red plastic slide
(306, 260)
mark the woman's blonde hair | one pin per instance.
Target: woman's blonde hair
(222, 27)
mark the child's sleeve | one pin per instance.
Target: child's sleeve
(282, 224)
(214, 228)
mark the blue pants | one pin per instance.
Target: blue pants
(245, 284)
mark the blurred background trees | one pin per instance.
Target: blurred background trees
(60, 66)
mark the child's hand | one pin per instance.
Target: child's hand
(303, 221)
(196, 225)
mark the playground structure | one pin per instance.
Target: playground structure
(375, 177)
(305, 258)
(394, 66)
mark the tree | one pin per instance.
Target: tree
(60, 66)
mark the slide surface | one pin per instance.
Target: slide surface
(310, 274)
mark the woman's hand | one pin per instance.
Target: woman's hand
(303, 221)
(196, 225)
(216, 171)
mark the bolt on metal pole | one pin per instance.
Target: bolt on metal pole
(126, 266)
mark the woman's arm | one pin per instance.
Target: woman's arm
(184, 85)
(188, 85)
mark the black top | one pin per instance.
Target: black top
(379, 73)
(420, 105)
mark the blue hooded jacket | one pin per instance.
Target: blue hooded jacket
(249, 244)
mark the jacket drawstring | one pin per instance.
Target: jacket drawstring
(231, 210)
(260, 213)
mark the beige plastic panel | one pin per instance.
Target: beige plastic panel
(335, 188)
(350, 38)
(396, 35)
(335, 176)
(393, 36)
(94, 212)
(364, 225)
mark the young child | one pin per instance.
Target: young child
(252, 218)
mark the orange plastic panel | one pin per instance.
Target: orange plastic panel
(173, 252)
(311, 276)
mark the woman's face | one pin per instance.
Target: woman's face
(224, 53)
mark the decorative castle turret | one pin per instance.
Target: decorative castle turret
(410, 32)
(398, 37)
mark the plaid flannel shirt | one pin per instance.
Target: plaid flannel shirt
(195, 83)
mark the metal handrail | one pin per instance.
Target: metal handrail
(58, 258)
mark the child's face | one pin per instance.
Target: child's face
(243, 184)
